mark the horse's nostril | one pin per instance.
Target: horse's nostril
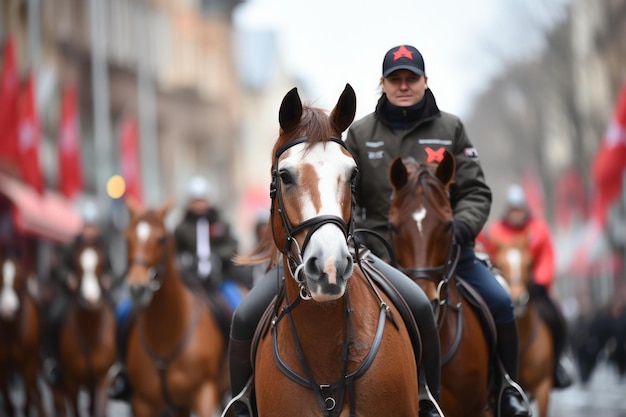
(312, 268)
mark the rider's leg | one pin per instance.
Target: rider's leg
(513, 402)
(549, 311)
(245, 320)
(125, 315)
(422, 311)
(51, 333)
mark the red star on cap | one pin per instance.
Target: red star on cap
(402, 52)
(434, 155)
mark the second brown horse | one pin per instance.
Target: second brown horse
(422, 235)
(176, 352)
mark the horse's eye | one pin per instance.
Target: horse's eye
(354, 175)
(286, 177)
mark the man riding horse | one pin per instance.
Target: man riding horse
(518, 221)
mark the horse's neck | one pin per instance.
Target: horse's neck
(170, 305)
(91, 322)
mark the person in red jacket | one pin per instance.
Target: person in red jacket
(516, 222)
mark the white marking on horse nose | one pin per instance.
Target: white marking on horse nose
(331, 270)
(89, 287)
(143, 231)
(9, 302)
(419, 216)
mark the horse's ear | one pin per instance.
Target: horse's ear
(343, 113)
(398, 174)
(166, 207)
(290, 110)
(446, 168)
(133, 206)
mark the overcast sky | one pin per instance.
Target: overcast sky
(330, 43)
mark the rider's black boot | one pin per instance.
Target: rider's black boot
(561, 377)
(430, 372)
(120, 388)
(240, 369)
(54, 317)
(512, 402)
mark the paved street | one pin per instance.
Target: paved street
(604, 396)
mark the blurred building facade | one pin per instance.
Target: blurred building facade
(166, 64)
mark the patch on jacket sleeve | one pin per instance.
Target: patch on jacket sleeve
(471, 152)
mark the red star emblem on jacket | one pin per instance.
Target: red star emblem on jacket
(402, 52)
(434, 155)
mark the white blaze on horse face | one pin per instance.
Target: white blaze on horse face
(143, 230)
(419, 216)
(9, 301)
(327, 245)
(89, 286)
(514, 258)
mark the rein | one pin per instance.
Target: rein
(324, 393)
(440, 275)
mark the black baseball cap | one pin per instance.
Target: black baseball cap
(403, 57)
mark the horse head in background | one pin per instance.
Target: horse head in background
(87, 339)
(175, 353)
(514, 261)
(20, 335)
(421, 221)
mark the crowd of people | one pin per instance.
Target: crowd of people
(406, 122)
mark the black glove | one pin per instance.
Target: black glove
(462, 233)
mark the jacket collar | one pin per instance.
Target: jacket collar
(409, 117)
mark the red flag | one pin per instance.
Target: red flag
(29, 137)
(129, 157)
(9, 94)
(610, 161)
(70, 170)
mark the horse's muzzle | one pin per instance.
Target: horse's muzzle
(140, 294)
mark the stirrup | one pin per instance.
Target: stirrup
(243, 397)
(505, 383)
(426, 395)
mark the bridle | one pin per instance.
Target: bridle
(155, 271)
(329, 396)
(291, 248)
(440, 274)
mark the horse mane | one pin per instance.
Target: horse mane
(316, 126)
(422, 176)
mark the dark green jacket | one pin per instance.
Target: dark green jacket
(375, 144)
(223, 244)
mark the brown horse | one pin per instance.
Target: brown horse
(513, 259)
(176, 352)
(334, 348)
(20, 335)
(87, 339)
(422, 237)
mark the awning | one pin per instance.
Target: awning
(46, 216)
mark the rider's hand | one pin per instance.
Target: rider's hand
(462, 233)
